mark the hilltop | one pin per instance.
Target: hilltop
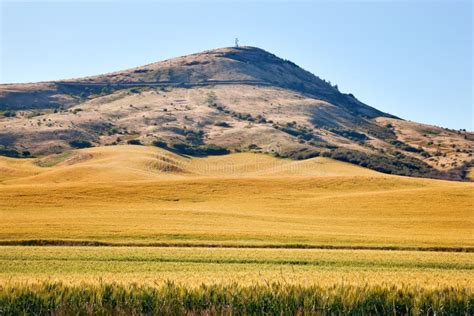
(238, 99)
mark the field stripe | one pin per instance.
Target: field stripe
(84, 243)
(265, 262)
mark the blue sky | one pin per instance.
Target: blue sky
(409, 58)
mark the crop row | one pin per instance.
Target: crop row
(272, 298)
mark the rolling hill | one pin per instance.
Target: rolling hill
(127, 163)
(239, 99)
(137, 194)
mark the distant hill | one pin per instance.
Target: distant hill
(225, 100)
(132, 163)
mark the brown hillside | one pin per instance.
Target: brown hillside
(241, 99)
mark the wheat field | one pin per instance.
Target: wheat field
(193, 266)
(130, 216)
(143, 194)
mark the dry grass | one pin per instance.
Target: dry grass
(454, 148)
(142, 194)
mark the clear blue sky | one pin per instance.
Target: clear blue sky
(409, 58)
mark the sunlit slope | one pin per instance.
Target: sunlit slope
(11, 168)
(194, 266)
(471, 174)
(134, 163)
(143, 194)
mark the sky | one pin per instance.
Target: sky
(410, 58)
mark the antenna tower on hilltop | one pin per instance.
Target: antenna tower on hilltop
(236, 42)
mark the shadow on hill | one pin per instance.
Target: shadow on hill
(183, 149)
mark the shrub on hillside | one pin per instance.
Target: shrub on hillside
(403, 146)
(134, 142)
(222, 124)
(8, 113)
(160, 144)
(293, 129)
(80, 144)
(213, 150)
(194, 136)
(202, 150)
(13, 153)
(350, 134)
(305, 155)
(398, 164)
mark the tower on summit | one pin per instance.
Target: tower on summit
(236, 42)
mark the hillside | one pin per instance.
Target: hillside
(230, 99)
(134, 216)
(134, 163)
(137, 194)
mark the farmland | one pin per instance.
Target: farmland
(97, 195)
(193, 266)
(123, 215)
(127, 280)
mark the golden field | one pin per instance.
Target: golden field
(143, 194)
(194, 266)
(254, 229)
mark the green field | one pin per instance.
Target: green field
(193, 266)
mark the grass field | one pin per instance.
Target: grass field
(199, 214)
(130, 280)
(193, 266)
(96, 194)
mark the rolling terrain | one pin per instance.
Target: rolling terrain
(228, 182)
(235, 99)
(139, 229)
(138, 194)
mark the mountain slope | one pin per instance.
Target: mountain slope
(245, 65)
(240, 99)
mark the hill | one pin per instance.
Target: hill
(137, 194)
(122, 225)
(239, 99)
(127, 163)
